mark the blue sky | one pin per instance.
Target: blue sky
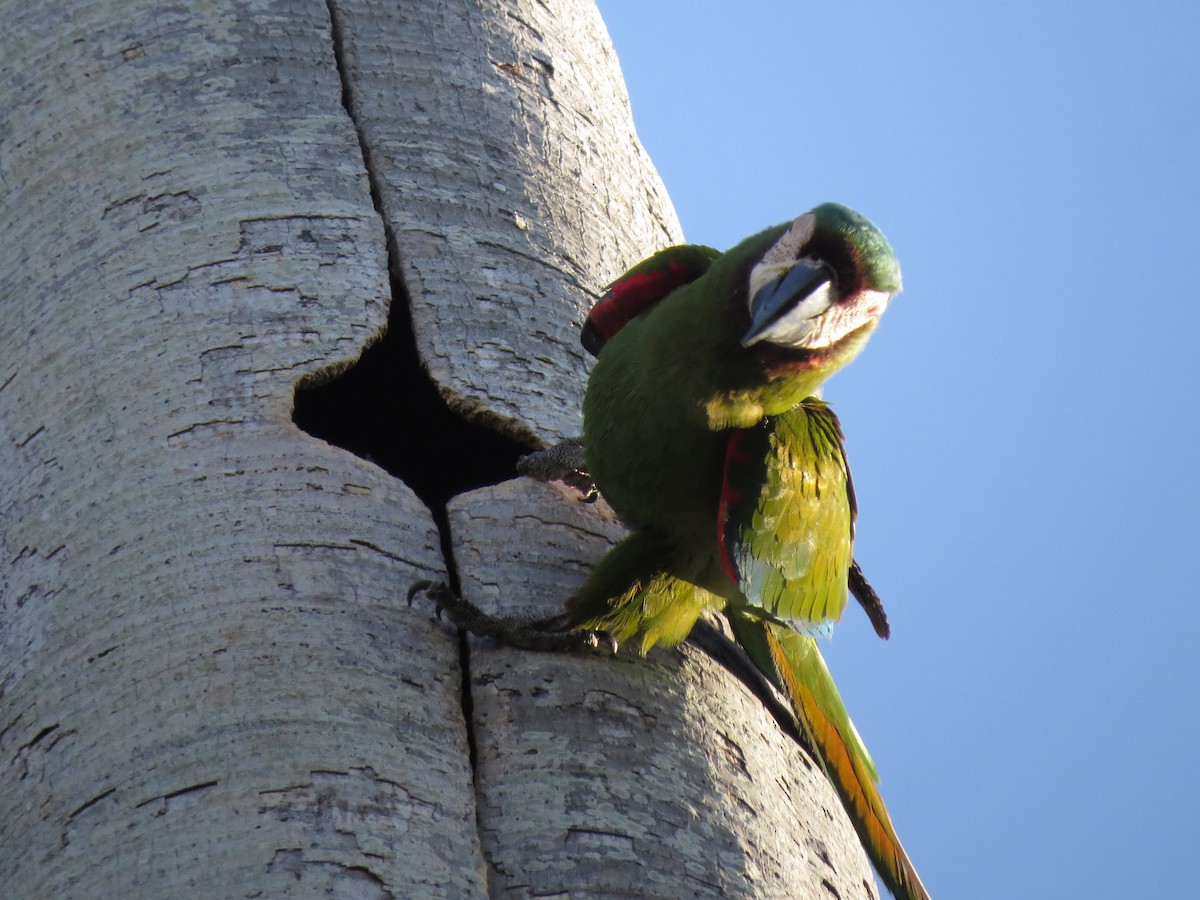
(1024, 426)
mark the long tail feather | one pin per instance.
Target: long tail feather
(793, 662)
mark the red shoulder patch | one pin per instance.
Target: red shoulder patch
(641, 288)
(737, 459)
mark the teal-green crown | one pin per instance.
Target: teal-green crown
(874, 259)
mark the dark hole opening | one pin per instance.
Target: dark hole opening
(386, 409)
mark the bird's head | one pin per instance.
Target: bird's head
(819, 289)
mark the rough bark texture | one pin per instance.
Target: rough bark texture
(209, 682)
(514, 189)
(620, 776)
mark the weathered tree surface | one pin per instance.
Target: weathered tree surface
(620, 776)
(513, 186)
(210, 683)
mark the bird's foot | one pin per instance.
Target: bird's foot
(525, 633)
(566, 461)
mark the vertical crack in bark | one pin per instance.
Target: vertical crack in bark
(387, 409)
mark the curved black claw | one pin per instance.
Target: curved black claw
(566, 462)
(527, 634)
(535, 638)
(438, 590)
(601, 639)
(582, 482)
(463, 613)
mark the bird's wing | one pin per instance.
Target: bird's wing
(640, 288)
(786, 516)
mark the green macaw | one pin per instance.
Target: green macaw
(704, 432)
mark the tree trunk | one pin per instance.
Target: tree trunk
(210, 683)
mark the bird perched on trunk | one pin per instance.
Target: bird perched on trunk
(704, 431)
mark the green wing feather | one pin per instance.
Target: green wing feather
(635, 592)
(786, 518)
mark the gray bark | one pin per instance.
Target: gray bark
(209, 681)
(602, 776)
(511, 180)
